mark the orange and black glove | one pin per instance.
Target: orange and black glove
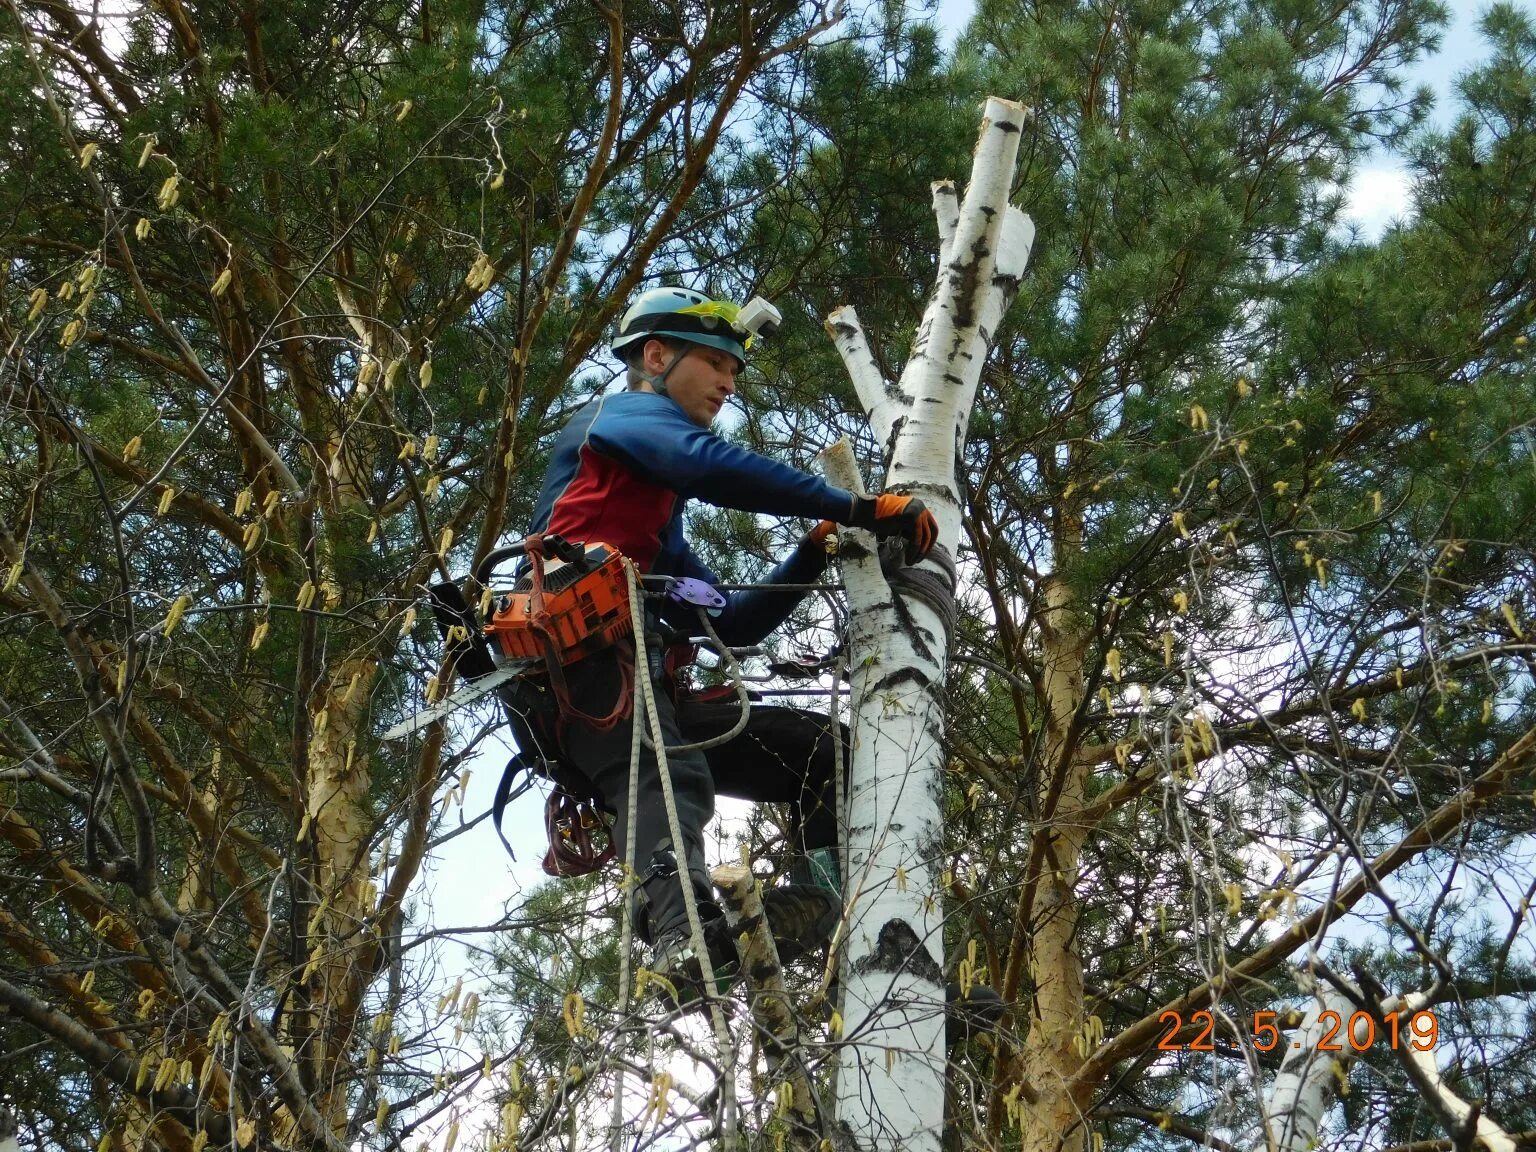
(907, 516)
(817, 536)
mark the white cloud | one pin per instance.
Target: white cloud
(1377, 195)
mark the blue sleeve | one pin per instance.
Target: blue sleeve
(752, 614)
(651, 435)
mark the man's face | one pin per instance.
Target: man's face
(700, 383)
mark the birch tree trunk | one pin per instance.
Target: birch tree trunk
(1310, 1077)
(890, 1076)
(1304, 1087)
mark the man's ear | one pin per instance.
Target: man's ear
(657, 356)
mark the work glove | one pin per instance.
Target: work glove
(817, 537)
(906, 516)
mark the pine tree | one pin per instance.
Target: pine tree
(290, 296)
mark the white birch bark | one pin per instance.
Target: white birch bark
(1304, 1087)
(890, 1075)
(1309, 1079)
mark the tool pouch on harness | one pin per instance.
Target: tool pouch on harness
(580, 832)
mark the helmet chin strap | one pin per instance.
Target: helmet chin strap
(659, 383)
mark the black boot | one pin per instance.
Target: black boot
(662, 920)
(972, 1014)
(801, 917)
(676, 960)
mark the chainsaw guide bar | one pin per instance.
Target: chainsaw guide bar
(466, 695)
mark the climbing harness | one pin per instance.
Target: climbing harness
(569, 603)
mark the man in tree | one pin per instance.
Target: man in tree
(621, 472)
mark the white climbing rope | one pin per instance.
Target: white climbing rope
(627, 878)
(646, 691)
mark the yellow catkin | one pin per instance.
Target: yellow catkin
(173, 618)
(1508, 611)
(148, 151)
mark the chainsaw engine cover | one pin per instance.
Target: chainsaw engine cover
(585, 609)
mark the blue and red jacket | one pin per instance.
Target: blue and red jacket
(625, 467)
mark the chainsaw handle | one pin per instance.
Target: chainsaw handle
(554, 544)
(496, 557)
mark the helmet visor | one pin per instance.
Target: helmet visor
(715, 314)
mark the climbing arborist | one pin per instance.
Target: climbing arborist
(621, 472)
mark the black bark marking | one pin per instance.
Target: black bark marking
(899, 949)
(890, 441)
(898, 677)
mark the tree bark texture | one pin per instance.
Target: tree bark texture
(890, 1076)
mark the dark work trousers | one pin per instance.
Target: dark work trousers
(783, 756)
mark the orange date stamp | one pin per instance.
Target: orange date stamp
(1359, 1033)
